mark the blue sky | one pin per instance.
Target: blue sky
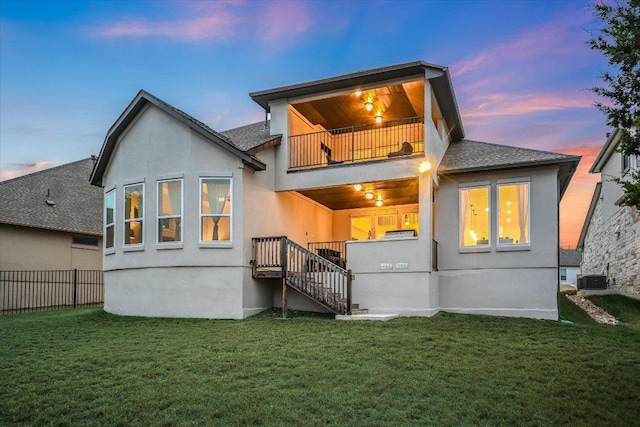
(520, 69)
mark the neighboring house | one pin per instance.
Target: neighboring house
(569, 266)
(610, 237)
(367, 171)
(51, 220)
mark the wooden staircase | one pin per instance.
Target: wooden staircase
(307, 272)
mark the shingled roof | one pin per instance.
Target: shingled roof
(474, 156)
(251, 138)
(74, 204)
(570, 258)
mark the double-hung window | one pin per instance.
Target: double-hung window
(513, 214)
(475, 205)
(133, 214)
(109, 217)
(215, 209)
(169, 211)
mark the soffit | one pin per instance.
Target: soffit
(394, 102)
(399, 192)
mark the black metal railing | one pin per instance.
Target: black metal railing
(434, 255)
(319, 278)
(357, 143)
(335, 251)
(29, 290)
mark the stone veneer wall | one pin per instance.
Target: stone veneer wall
(603, 245)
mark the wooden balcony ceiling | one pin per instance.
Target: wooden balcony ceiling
(400, 192)
(394, 102)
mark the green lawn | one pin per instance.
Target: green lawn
(86, 367)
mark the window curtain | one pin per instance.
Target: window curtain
(217, 192)
(175, 200)
(465, 197)
(522, 194)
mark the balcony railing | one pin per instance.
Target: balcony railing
(357, 143)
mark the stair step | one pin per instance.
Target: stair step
(358, 310)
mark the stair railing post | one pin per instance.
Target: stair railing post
(283, 263)
(349, 292)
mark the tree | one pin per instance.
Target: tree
(619, 41)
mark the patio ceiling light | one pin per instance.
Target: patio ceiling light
(368, 194)
(424, 166)
(379, 118)
(379, 200)
(368, 105)
(357, 187)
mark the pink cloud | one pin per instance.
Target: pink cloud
(14, 170)
(512, 104)
(554, 37)
(219, 21)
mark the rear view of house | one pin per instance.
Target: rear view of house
(360, 189)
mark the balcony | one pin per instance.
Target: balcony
(354, 144)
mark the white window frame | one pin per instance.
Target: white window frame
(139, 219)
(107, 194)
(214, 243)
(471, 186)
(626, 163)
(565, 274)
(507, 182)
(160, 217)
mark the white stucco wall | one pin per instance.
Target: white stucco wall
(510, 283)
(185, 279)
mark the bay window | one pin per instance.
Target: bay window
(215, 209)
(169, 211)
(133, 214)
(109, 216)
(474, 216)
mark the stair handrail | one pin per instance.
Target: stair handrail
(313, 275)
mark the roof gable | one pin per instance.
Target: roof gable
(437, 75)
(77, 204)
(606, 152)
(474, 156)
(141, 100)
(587, 221)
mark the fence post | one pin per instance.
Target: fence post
(349, 273)
(75, 288)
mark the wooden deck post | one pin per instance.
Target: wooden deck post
(283, 263)
(284, 298)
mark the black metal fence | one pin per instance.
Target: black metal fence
(29, 290)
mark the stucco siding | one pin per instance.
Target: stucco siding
(27, 248)
(518, 292)
(519, 282)
(199, 292)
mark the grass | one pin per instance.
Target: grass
(86, 367)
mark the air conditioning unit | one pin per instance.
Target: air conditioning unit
(592, 282)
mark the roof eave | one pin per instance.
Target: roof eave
(587, 219)
(142, 99)
(505, 166)
(42, 227)
(439, 78)
(606, 152)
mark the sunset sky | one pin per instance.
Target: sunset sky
(520, 69)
